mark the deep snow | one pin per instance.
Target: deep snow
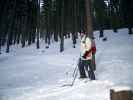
(31, 74)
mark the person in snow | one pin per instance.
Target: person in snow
(85, 61)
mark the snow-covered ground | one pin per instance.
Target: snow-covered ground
(31, 74)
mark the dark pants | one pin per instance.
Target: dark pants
(93, 62)
(83, 67)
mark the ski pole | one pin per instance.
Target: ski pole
(76, 74)
(76, 67)
(73, 80)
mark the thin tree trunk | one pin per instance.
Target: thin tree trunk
(0, 44)
(101, 32)
(23, 21)
(74, 23)
(18, 35)
(3, 21)
(130, 30)
(9, 32)
(38, 23)
(37, 44)
(56, 28)
(62, 28)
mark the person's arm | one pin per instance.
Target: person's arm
(88, 44)
(88, 48)
(93, 47)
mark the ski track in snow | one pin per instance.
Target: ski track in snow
(59, 92)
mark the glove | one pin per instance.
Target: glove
(93, 50)
(87, 53)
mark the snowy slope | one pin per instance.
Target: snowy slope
(30, 74)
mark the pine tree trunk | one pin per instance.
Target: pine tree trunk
(23, 28)
(88, 18)
(62, 28)
(37, 44)
(29, 37)
(101, 33)
(130, 30)
(74, 22)
(88, 26)
(18, 39)
(18, 28)
(57, 21)
(115, 30)
(0, 44)
(11, 19)
(38, 23)
(48, 18)
(56, 28)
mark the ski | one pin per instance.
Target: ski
(67, 85)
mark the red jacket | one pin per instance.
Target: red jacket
(93, 50)
(93, 47)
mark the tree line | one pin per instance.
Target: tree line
(18, 22)
(25, 22)
(113, 14)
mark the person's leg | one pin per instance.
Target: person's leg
(81, 69)
(86, 67)
(91, 73)
(93, 62)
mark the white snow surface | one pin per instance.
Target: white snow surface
(31, 74)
